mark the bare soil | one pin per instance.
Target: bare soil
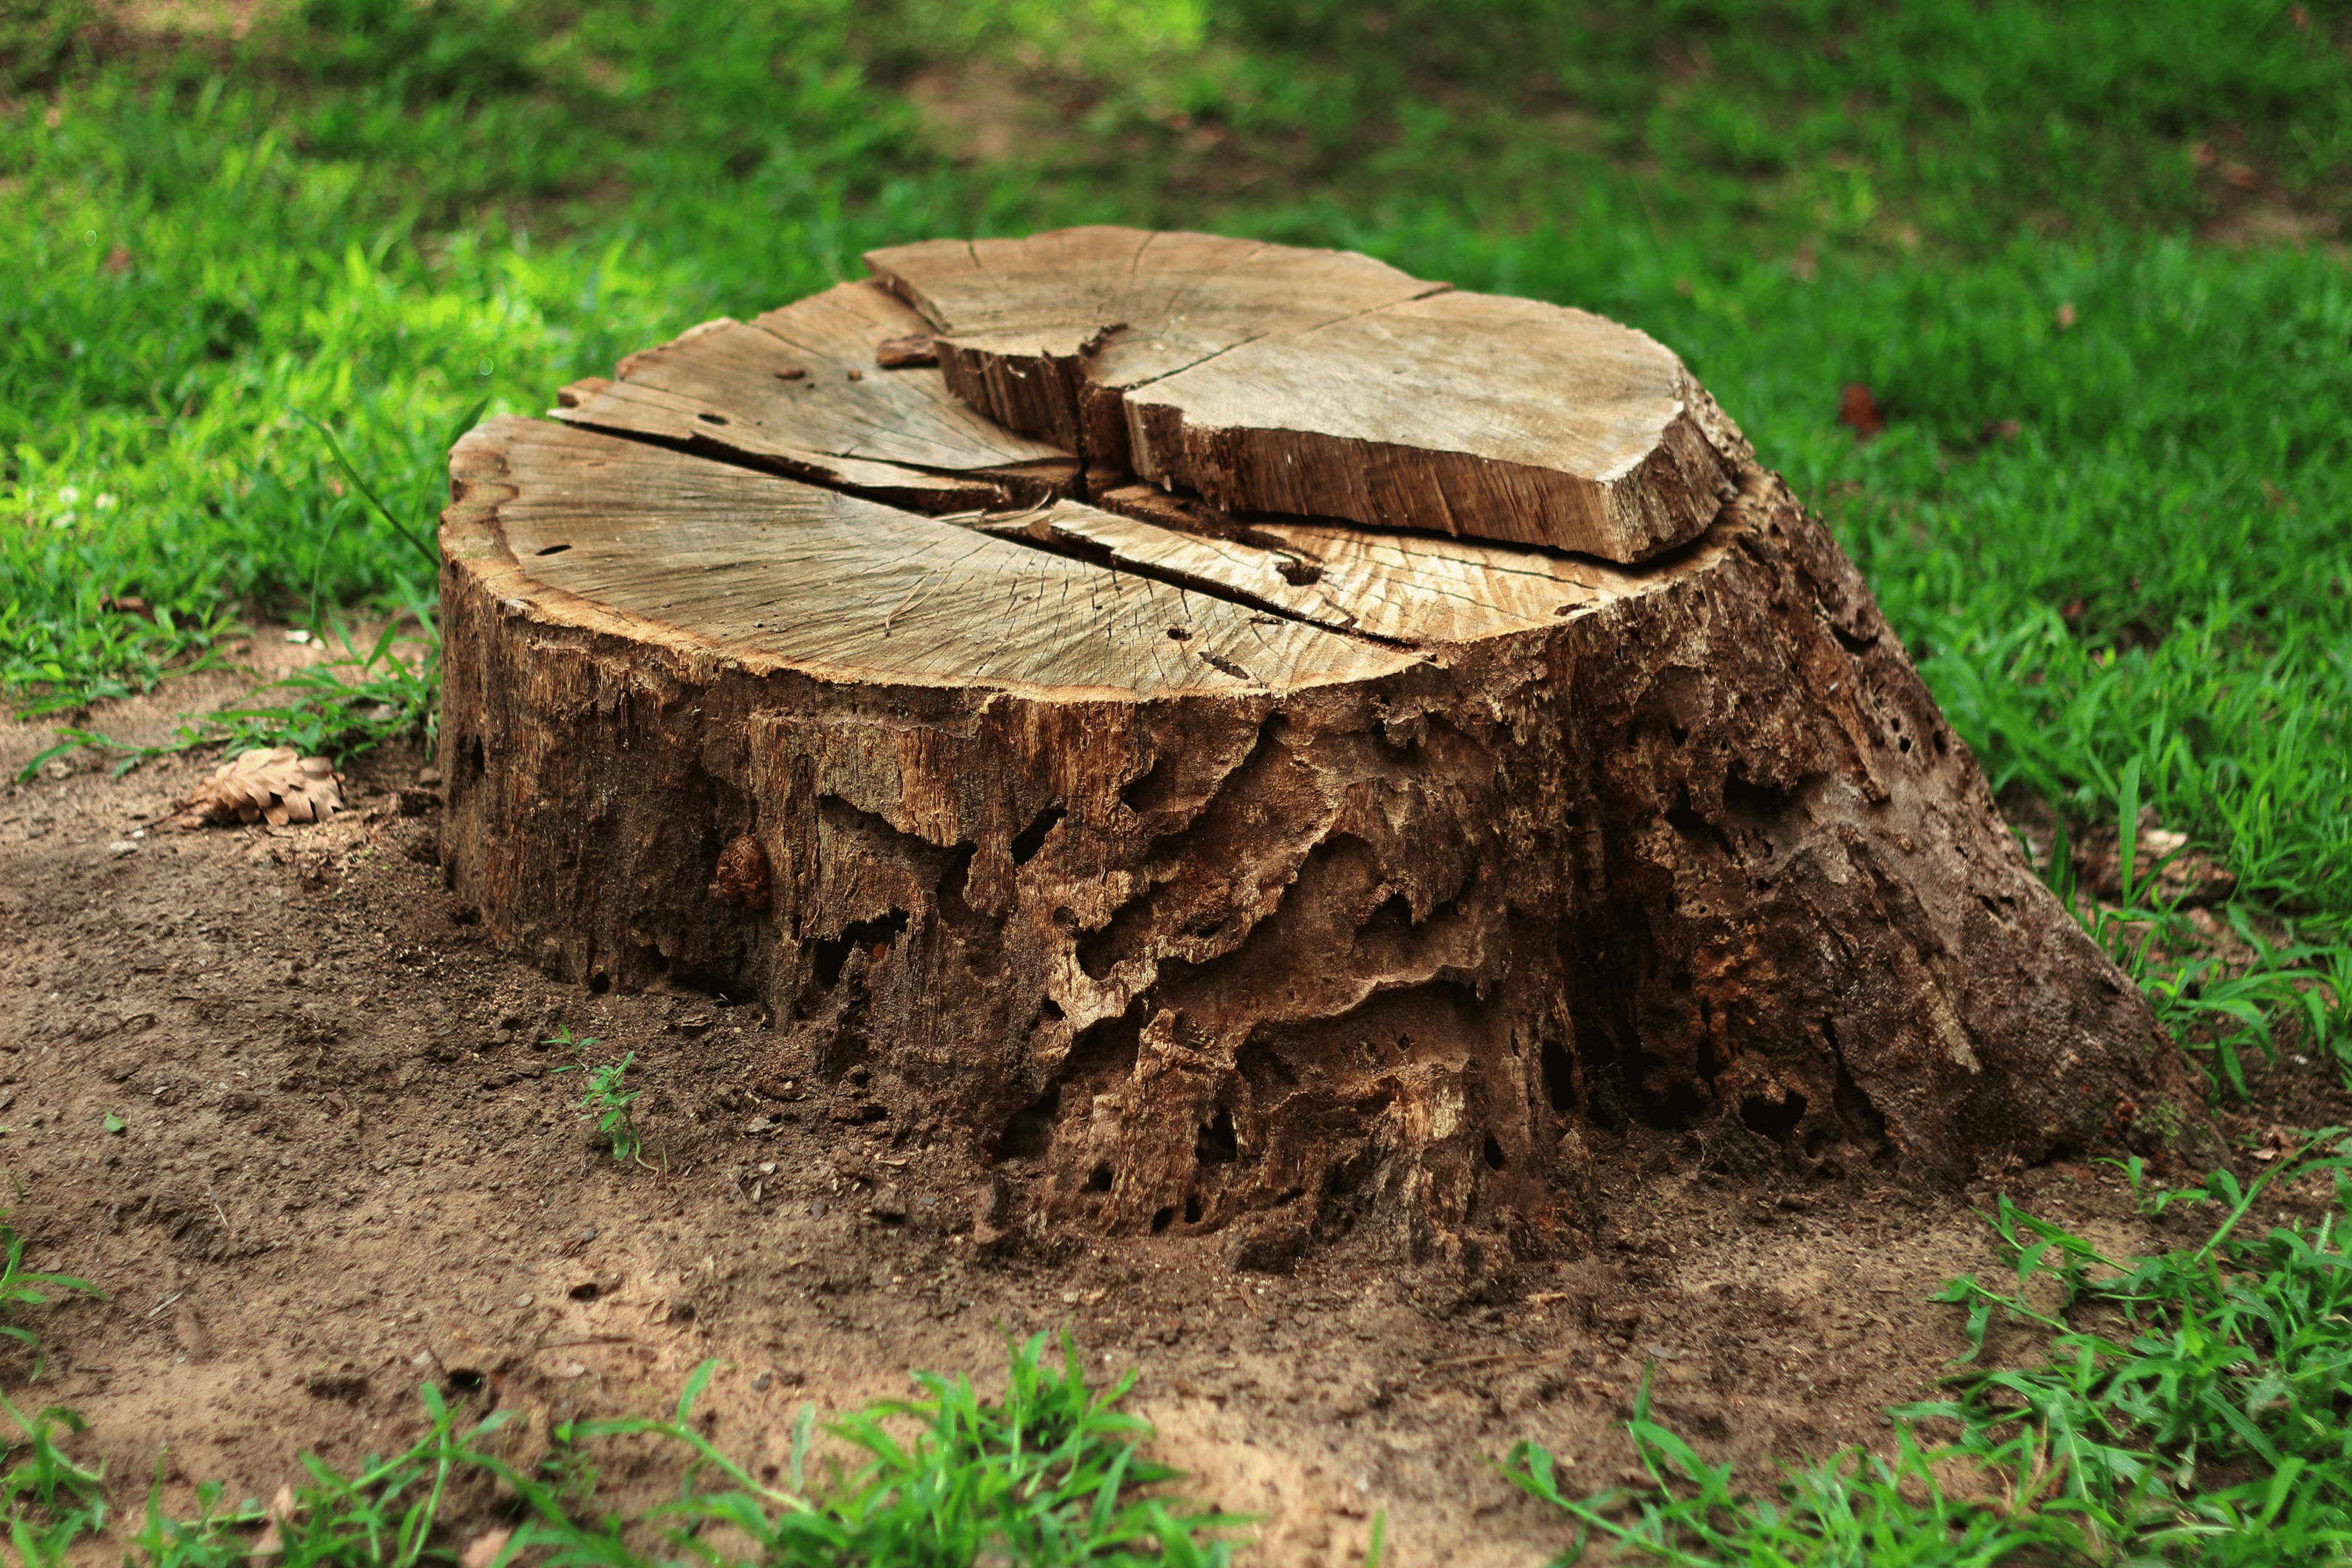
(346, 1166)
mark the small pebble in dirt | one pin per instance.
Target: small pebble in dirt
(120, 847)
(758, 1125)
(816, 1208)
(523, 1299)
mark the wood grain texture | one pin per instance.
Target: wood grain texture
(1411, 589)
(798, 391)
(1041, 334)
(1462, 413)
(769, 574)
(1267, 378)
(1185, 869)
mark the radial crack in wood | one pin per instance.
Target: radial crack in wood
(1267, 378)
(1186, 870)
(1416, 590)
(766, 574)
(798, 390)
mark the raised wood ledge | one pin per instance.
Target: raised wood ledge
(1316, 383)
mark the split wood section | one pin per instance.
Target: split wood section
(1204, 868)
(1317, 383)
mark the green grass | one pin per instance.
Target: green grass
(2224, 1013)
(605, 1102)
(1051, 1475)
(48, 1499)
(2184, 1409)
(51, 1499)
(21, 1286)
(1788, 128)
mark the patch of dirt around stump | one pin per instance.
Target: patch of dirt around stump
(345, 1167)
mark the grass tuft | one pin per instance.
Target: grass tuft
(605, 1102)
(2187, 1409)
(1051, 1475)
(2219, 1012)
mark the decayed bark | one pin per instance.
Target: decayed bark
(1204, 870)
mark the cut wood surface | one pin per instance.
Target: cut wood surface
(763, 574)
(1033, 326)
(1268, 378)
(799, 390)
(1194, 868)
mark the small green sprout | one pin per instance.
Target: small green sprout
(22, 1286)
(605, 1103)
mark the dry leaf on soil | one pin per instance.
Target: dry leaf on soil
(189, 1330)
(2188, 879)
(272, 784)
(281, 1509)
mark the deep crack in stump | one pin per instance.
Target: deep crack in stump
(1289, 747)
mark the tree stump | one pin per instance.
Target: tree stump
(1241, 737)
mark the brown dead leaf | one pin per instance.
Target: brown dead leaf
(1859, 410)
(272, 784)
(2187, 877)
(189, 1330)
(273, 1540)
(484, 1549)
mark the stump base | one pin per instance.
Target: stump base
(1201, 869)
